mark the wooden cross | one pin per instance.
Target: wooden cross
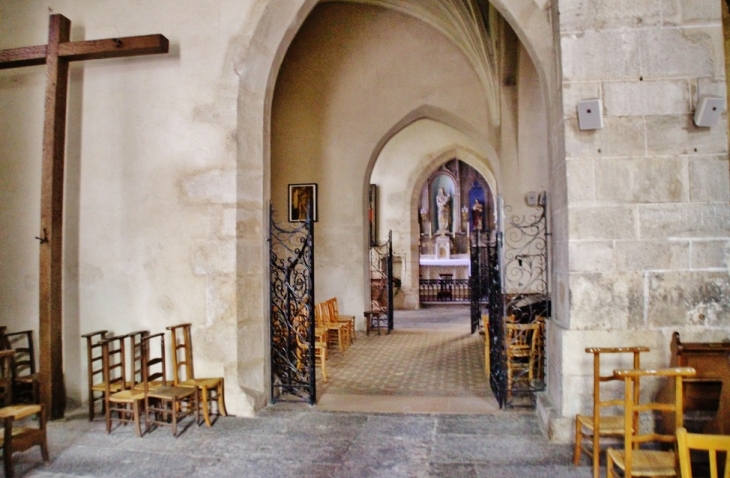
(56, 55)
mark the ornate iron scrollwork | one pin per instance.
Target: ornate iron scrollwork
(381, 278)
(514, 267)
(526, 301)
(291, 264)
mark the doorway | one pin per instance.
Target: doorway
(332, 127)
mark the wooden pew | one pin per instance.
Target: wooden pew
(706, 396)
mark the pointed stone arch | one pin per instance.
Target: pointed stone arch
(257, 60)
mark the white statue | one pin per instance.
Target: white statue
(444, 211)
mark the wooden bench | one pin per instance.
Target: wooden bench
(707, 395)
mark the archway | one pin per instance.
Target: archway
(274, 31)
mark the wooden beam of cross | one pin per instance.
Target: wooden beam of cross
(56, 55)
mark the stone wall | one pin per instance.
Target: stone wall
(648, 214)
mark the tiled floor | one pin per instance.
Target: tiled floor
(429, 363)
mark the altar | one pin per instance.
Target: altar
(458, 265)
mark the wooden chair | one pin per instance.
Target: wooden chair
(120, 397)
(337, 331)
(709, 443)
(521, 354)
(590, 428)
(164, 405)
(633, 460)
(25, 378)
(346, 319)
(20, 438)
(212, 389)
(6, 379)
(95, 370)
(320, 346)
(138, 360)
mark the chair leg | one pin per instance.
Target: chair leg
(135, 408)
(609, 466)
(206, 411)
(596, 452)
(8, 447)
(108, 415)
(44, 441)
(196, 405)
(578, 439)
(91, 405)
(174, 417)
(324, 364)
(221, 400)
(146, 416)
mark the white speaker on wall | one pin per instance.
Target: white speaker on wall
(709, 110)
(590, 114)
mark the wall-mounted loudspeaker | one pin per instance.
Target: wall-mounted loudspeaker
(709, 110)
(590, 114)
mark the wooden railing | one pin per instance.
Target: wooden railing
(444, 290)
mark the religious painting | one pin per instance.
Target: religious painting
(301, 198)
(372, 214)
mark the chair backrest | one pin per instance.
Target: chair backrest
(93, 354)
(709, 443)
(331, 305)
(22, 344)
(6, 376)
(633, 407)
(182, 353)
(319, 315)
(598, 379)
(136, 355)
(521, 339)
(155, 367)
(114, 363)
(326, 313)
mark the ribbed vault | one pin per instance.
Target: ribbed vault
(466, 24)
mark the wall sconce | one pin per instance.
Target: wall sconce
(534, 198)
(590, 114)
(708, 111)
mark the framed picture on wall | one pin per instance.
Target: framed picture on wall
(300, 198)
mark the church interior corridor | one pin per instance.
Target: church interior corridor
(429, 363)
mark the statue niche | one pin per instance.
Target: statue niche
(455, 202)
(443, 209)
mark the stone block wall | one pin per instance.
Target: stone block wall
(648, 214)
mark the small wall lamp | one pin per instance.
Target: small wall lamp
(590, 114)
(708, 111)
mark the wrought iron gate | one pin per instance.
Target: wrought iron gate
(518, 304)
(478, 278)
(291, 263)
(381, 278)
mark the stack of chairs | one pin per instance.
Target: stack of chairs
(522, 354)
(129, 375)
(340, 329)
(300, 327)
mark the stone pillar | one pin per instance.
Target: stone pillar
(648, 214)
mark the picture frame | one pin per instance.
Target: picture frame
(299, 195)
